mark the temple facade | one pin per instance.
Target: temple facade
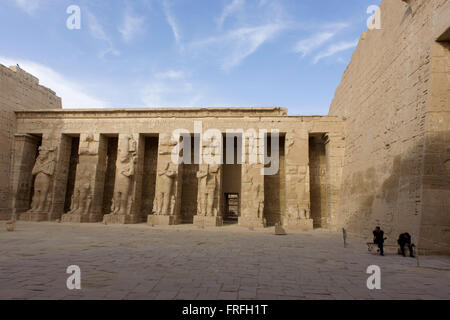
(252, 166)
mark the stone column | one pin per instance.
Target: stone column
(298, 208)
(43, 172)
(86, 203)
(209, 209)
(125, 208)
(335, 149)
(166, 206)
(252, 185)
(25, 147)
(64, 148)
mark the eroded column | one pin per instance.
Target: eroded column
(209, 176)
(252, 184)
(298, 212)
(86, 202)
(25, 147)
(125, 208)
(166, 206)
(43, 173)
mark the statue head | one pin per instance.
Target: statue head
(43, 153)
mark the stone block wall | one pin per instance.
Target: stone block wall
(18, 91)
(435, 226)
(386, 96)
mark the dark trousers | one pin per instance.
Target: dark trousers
(380, 246)
(410, 246)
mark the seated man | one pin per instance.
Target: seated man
(405, 240)
(378, 238)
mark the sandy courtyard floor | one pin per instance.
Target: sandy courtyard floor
(186, 262)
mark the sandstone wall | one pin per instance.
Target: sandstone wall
(54, 126)
(386, 95)
(18, 91)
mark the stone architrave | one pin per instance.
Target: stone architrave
(43, 173)
(122, 204)
(298, 213)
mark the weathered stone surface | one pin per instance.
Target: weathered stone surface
(185, 262)
(395, 98)
(43, 174)
(298, 224)
(162, 220)
(208, 221)
(19, 90)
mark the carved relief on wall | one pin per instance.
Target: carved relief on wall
(126, 167)
(300, 183)
(290, 142)
(208, 177)
(43, 171)
(164, 203)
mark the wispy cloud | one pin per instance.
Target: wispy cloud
(319, 39)
(170, 89)
(334, 49)
(306, 46)
(171, 21)
(131, 26)
(258, 23)
(229, 9)
(171, 74)
(240, 43)
(96, 30)
(29, 6)
(73, 94)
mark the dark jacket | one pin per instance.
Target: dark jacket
(404, 238)
(379, 236)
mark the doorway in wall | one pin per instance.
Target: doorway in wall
(231, 177)
(231, 212)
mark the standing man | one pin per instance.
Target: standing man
(378, 238)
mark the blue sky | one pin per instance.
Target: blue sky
(186, 53)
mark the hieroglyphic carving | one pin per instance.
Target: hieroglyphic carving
(208, 176)
(43, 170)
(164, 203)
(302, 188)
